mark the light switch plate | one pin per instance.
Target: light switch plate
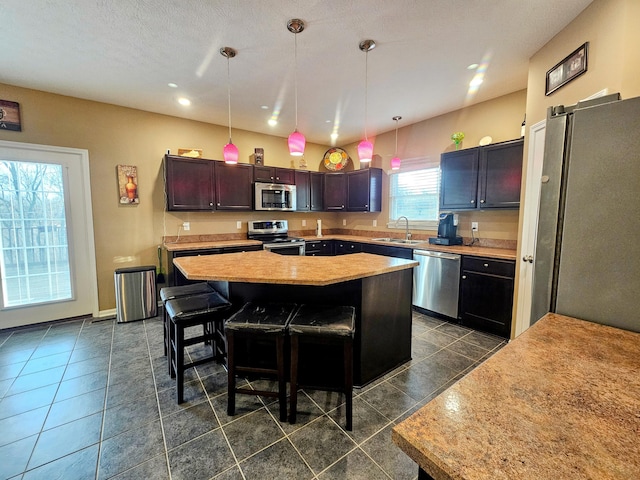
(344, 222)
(304, 223)
(375, 223)
(238, 224)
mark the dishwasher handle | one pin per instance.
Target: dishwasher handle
(443, 256)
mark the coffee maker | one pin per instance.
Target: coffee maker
(447, 226)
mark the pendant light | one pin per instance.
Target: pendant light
(365, 147)
(395, 161)
(296, 139)
(230, 151)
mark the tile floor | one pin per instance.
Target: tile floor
(92, 399)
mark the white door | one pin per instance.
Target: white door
(47, 256)
(530, 225)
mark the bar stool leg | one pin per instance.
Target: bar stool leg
(178, 334)
(293, 398)
(282, 383)
(231, 369)
(348, 381)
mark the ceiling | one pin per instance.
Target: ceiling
(126, 52)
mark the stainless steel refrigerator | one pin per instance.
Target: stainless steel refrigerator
(587, 256)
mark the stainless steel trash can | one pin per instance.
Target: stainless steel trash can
(135, 293)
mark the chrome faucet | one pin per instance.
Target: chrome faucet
(407, 235)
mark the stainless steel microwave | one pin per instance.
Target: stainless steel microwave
(274, 196)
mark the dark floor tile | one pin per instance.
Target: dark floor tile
(437, 337)
(65, 439)
(44, 363)
(202, 458)
(388, 400)
(10, 356)
(446, 358)
(421, 348)
(264, 431)
(453, 330)
(467, 349)
(23, 425)
(366, 420)
(154, 469)
(79, 465)
(325, 399)
(129, 371)
(280, 460)
(389, 457)
(11, 370)
(81, 385)
(217, 382)
(168, 399)
(245, 404)
(426, 320)
(232, 473)
(124, 391)
(131, 448)
(306, 412)
(36, 380)
(188, 423)
(85, 367)
(75, 408)
(23, 402)
(355, 466)
(91, 350)
(422, 378)
(46, 349)
(4, 386)
(321, 443)
(484, 340)
(14, 456)
(127, 415)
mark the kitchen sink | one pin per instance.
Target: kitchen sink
(397, 240)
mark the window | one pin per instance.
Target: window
(415, 195)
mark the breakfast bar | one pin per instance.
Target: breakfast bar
(560, 401)
(378, 287)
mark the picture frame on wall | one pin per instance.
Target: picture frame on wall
(10, 116)
(128, 184)
(571, 67)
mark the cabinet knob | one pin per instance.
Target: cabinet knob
(473, 201)
(366, 205)
(482, 201)
(486, 264)
(218, 203)
(277, 178)
(464, 277)
(211, 204)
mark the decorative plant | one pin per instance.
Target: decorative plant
(457, 137)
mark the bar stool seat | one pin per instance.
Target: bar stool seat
(171, 293)
(323, 324)
(258, 322)
(207, 310)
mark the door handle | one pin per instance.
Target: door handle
(528, 258)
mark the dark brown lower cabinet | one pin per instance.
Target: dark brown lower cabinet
(486, 294)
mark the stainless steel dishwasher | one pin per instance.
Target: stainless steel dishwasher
(435, 282)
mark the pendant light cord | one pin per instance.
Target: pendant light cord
(295, 74)
(366, 87)
(229, 95)
(396, 153)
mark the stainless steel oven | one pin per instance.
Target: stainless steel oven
(274, 235)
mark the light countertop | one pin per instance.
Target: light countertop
(267, 267)
(560, 401)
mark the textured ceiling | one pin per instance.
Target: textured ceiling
(126, 52)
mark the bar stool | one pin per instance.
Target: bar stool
(208, 310)
(252, 324)
(324, 324)
(170, 293)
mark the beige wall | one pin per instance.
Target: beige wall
(115, 135)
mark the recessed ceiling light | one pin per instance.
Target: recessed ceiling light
(172, 85)
(473, 66)
(184, 101)
(272, 122)
(264, 107)
(334, 136)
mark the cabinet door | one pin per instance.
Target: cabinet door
(342, 248)
(264, 174)
(500, 175)
(189, 183)
(303, 191)
(285, 175)
(233, 186)
(459, 179)
(335, 191)
(399, 252)
(316, 191)
(486, 294)
(364, 190)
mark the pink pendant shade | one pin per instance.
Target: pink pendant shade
(230, 153)
(365, 151)
(395, 163)
(297, 143)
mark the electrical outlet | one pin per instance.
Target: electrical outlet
(344, 222)
(186, 226)
(304, 223)
(474, 226)
(239, 224)
(375, 223)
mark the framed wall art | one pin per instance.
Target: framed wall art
(574, 65)
(10, 116)
(128, 184)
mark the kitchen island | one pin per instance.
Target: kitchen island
(560, 401)
(379, 288)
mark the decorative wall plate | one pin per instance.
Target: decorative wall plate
(485, 140)
(335, 159)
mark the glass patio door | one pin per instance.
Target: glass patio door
(47, 266)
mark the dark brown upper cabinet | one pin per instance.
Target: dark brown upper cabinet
(189, 183)
(364, 190)
(335, 191)
(233, 186)
(274, 175)
(482, 177)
